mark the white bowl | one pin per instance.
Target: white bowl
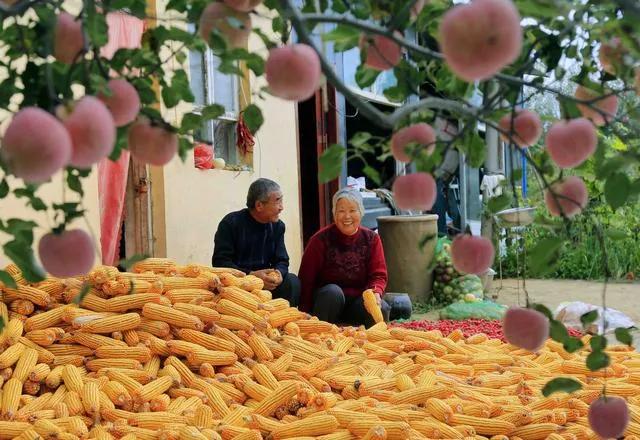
(516, 216)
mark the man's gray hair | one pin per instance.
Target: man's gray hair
(260, 190)
(349, 194)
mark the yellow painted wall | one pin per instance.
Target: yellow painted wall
(196, 200)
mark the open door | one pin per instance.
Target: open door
(317, 130)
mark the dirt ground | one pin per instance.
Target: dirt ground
(624, 297)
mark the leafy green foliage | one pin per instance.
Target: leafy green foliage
(589, 318)
(624, 336)
(7, 280)
(544, 254)
(616, 190)
(253, 117)
(127, 263)
(331, 163)
(86, 288)
(343, 37)
(597, 360)
(561, 384)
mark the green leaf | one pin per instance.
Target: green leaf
(372, 173)
(365, 76)
(361, 10)
(4, 188)
(22, 254)
(256, 64)
(395, 93)
(83, 292)
(571, 345)
(74, 183)
(623, 336)
(331, 163)
(22, 230)
(558, 331)
(339, 6)
(97, 27)
(597, 360)
(169, 97)
(561, 384)
(360, 138)
(190, 121)
(616, 190)
(544, 255)
(606, 167)
(212, 111)
(2, 323)
(343, 37)
(136, 8)
(278, 25)
(29, 193)
(7, 280)
(183, 147)
(177, 5)
(598, 343)
(181, 57)
(474, 148)
(544, 310)
(128, 262)
(588, 318)
(217, 42)
(497, 204)
(253, 118)
(616, 234)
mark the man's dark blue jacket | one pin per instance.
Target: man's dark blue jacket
(243, 243)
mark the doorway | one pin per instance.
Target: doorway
(317, 130)
(386, 169)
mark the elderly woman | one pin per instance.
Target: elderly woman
(340, 262)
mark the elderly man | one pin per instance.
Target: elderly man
(252, 240)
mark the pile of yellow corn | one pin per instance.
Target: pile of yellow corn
(190, 352)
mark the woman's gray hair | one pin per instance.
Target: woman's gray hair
(260, 190)
(349, 194)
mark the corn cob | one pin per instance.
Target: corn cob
(157, 265)
(206, 314)
(110, 324)
(371, 305)
(141, 354)
(182, 293)
(171, 316)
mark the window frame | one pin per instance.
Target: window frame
(235, 159)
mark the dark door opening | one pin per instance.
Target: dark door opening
(317, 130)
(355, 168)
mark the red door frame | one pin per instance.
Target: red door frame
(326, 135)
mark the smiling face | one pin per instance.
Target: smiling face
(269, 210)
(347, 216)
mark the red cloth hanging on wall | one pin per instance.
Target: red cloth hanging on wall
(125, 31)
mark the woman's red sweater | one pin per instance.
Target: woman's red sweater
(353, 262)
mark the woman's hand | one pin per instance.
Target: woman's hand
(376, 294)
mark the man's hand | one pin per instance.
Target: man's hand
(262, 273)
(272, 278)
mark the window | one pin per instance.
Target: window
(210, 86)
(351, 60)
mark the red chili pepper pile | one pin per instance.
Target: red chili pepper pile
(493, 329)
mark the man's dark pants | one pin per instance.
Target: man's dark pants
(289, 289)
